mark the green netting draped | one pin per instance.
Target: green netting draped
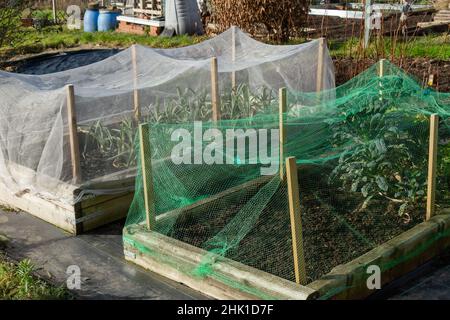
(362, 156)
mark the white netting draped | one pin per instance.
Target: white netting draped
(172, 85)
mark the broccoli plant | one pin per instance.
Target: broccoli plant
(384, 155)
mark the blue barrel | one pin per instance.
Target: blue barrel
(90, 20)
(107, 20)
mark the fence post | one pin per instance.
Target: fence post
(137, 109)
(320, 57)
(381, 72)
(282, 110)
(54, 11)
(296, 221)
(147, 179)
(381, 68)
(430, 80)
(233, 56)
(73, 135)
(432, 165)
(215, 90)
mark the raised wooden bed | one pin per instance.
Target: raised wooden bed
(229, 279)
(89, 213)
(232, 280)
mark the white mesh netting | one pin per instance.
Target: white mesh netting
(172, 85)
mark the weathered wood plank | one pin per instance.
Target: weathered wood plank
(282, 106)
(147, 178)
(321, 58)
(215, 97)
(176, 260)
(296, 221)
(137, 108)
(73, 135)
(432, 165)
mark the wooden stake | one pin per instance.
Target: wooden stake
(432, 165)
(282, 110)
(430, 80)
(137, 109)
(320, 57)
(296, 221)
(147, 179)
(381, 74)
(73, 135)
(54, 11)
(381, 68)
(215, 90)
(233, 56)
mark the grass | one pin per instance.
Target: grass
(56, 37)
(6, 208)
(436, 46)
(17, 282)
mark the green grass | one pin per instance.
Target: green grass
(6, 208)
(55, 37)
(17, 282)
(435, 46)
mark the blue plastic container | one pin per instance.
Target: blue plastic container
(90, 20)
(107, 20)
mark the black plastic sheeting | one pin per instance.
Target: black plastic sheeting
(63, 61)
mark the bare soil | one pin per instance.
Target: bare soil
(420, 68)
(335, 229)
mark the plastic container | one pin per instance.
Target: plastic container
(90, 20)
(107, 20)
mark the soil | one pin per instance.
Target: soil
(335, 229)
(346, 68)
(336, 28)
(420, 68)
(96, 164)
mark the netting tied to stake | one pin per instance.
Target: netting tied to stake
(39, 155)
(362, 156)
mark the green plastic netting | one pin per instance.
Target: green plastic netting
(362, 156)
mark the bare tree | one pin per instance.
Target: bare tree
(10, 14)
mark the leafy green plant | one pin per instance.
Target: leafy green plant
(241, 102)
(19, 282)
(116, 142)
(384, 155)
(189, 105)
(443, 177)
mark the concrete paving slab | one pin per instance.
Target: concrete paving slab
(104, 272)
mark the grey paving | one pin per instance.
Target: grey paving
(105, 275)
(433, 285)
(104, 272)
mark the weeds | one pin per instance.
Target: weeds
(17, 282)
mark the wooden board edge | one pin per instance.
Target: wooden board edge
(176, 260)
(395, 257)
(104, 213)
(44, 209)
